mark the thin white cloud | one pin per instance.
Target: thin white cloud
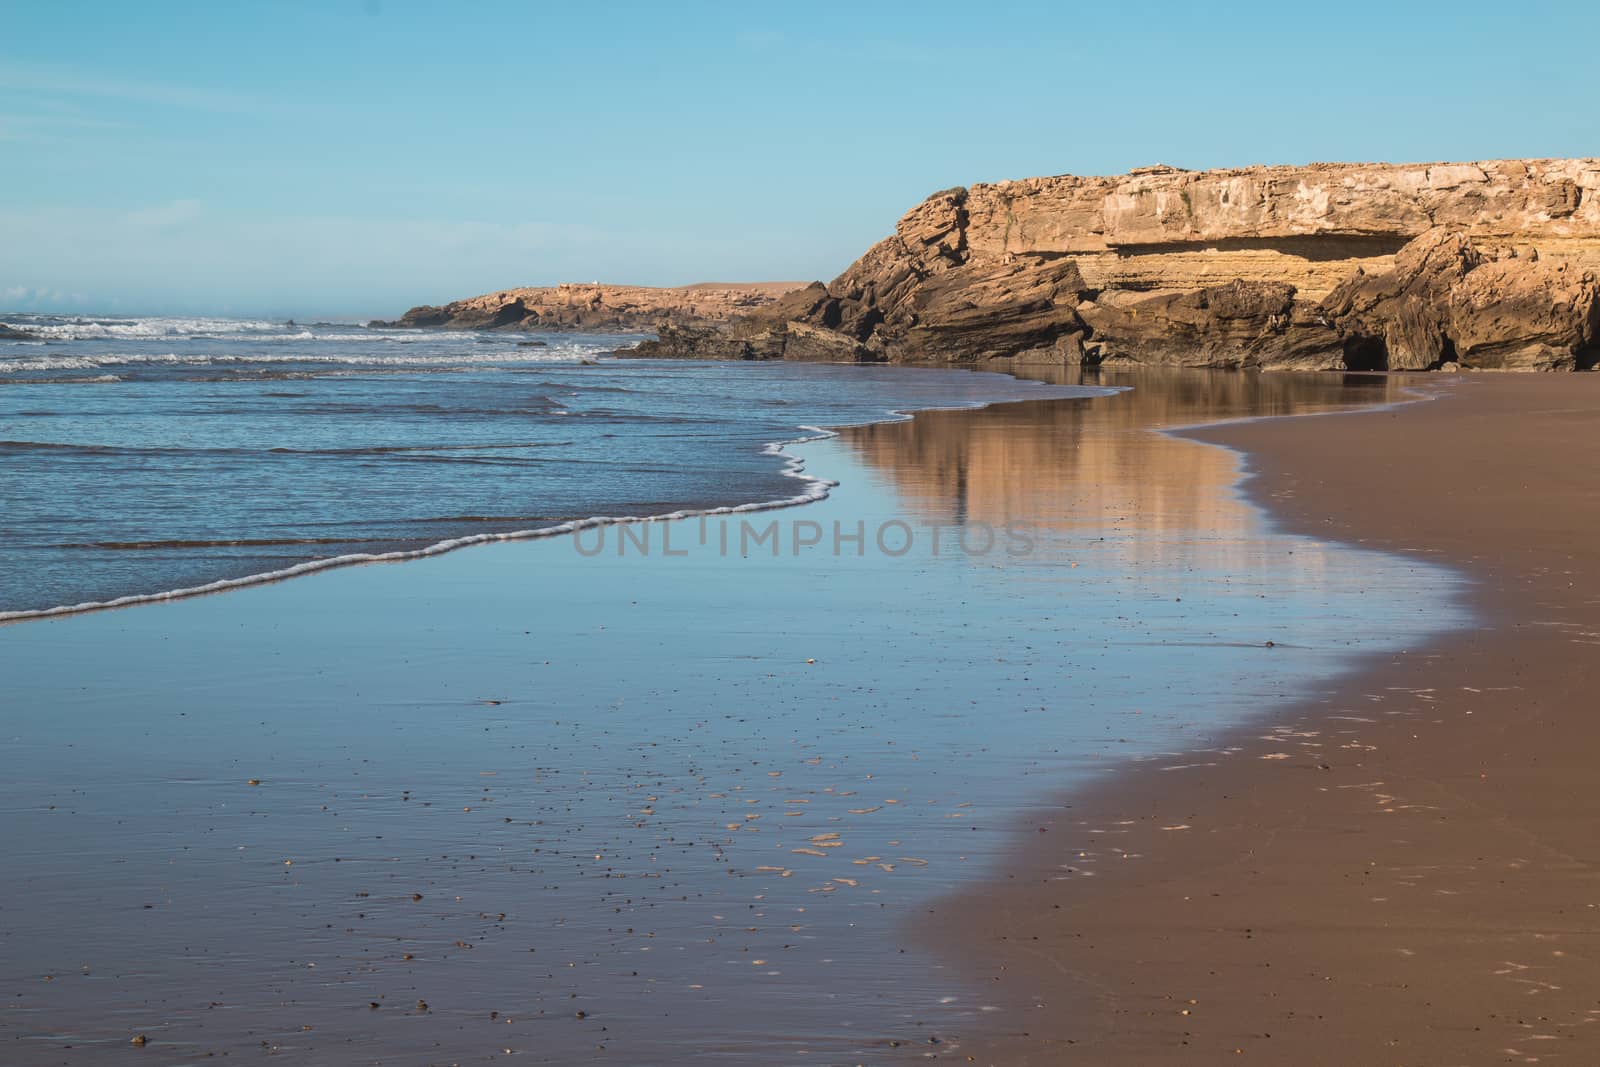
(165, 216)
(47, 79)
(49, 127)
(56, 118)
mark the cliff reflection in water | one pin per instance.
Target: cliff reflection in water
(1094, 469)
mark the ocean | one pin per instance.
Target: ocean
(143, 457)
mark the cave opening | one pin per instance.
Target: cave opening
(1365, 354)
(1447, 354)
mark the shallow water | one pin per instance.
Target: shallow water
(143, 456)
(693, 797)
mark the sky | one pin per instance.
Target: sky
(353, 158)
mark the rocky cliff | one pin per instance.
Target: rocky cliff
(1361, 266)
(597, 308)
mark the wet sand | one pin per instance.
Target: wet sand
(1402, 872)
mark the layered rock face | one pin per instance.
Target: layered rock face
(1475, 265)
(599, 308)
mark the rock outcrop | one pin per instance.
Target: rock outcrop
(1240, 324)
(1513, 315)
(596, 308)
(1445, 302)
(1355, 266)
(1398, 317)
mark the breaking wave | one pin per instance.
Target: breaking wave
(98, 361)
(77, 328)
(814, 488)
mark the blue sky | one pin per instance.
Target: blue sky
(356, 157)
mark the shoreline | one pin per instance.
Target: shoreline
(792, 466)
(1332, 883)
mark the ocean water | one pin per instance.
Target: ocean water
(139, 457)
(598, 799)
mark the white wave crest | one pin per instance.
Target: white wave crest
(86, 329)
(83, 328)
(490, 356)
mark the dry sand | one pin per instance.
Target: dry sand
(1402, 873)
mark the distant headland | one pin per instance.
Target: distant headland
(597, 308)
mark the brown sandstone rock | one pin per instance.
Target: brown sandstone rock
(1405, 309)
(1514, 314)
(920, 296)
(757, 337)
(1238, 325)
(1066, 351)
(597, 308)
(979, 311)
(1310, 226)
(1445, 303)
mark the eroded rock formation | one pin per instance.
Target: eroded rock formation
(1444, 302)
(1478, 265)
(1239, 324)
(598, 308)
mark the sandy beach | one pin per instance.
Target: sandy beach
(1401, 871)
